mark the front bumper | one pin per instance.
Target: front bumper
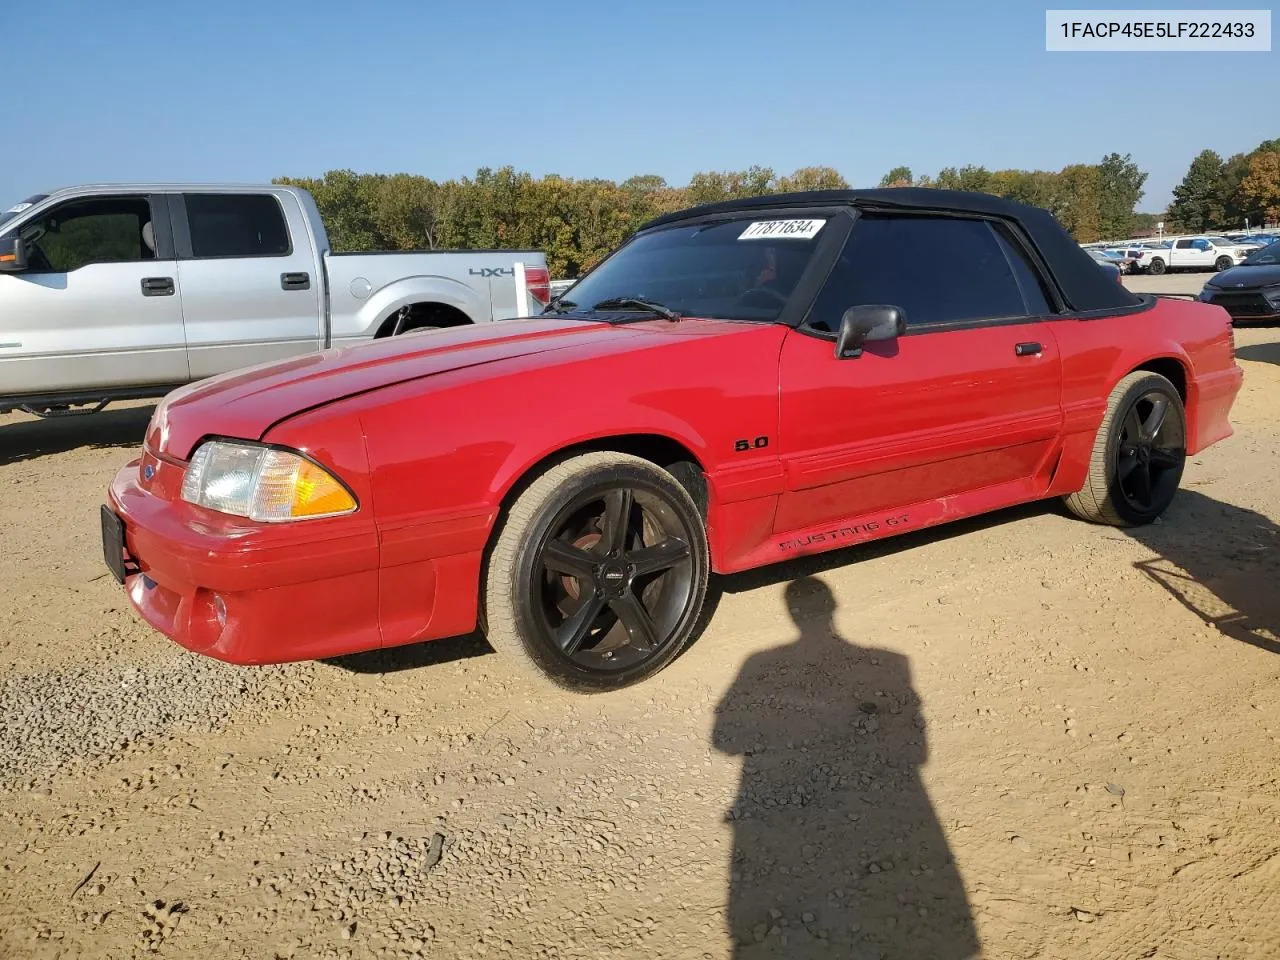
(243, 592)
(1246, 305)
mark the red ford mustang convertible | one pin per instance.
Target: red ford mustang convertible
(738, 384)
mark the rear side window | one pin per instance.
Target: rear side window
(236, 225)
(937, 269)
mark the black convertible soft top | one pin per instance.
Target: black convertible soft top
(1082, 284)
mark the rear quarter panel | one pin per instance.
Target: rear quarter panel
(1098, 352)
(365, 289)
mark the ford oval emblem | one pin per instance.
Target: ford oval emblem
(148, 472)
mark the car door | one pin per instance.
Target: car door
(250, 284)
(968, 398)
(98, 306)
(1186, 253)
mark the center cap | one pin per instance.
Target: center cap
(613, 577)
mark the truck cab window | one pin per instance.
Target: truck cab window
(236, 225)
(94, 230)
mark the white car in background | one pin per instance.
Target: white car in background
(1203, 252)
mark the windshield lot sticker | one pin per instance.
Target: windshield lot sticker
(782, 230)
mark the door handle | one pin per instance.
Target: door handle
(1029, 349)
(157, 287)
(295, 281)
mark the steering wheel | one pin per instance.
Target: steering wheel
(781, 298)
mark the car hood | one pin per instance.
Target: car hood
(1246, 278)
(246, 403)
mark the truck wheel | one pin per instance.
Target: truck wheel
(598, 574)
(1138, 455)
(1156, 267)
(1223, 263)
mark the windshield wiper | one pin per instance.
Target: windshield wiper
(650, 305)
(559, 306)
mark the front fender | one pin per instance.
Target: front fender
(418, 289)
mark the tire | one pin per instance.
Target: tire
(1157, 266)
(1123, 454)
(1223, 263)
(553, 610)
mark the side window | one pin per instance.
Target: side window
(236, 225)
(937, 269)
(78, 233)
(1183, 244)
(1029, 279)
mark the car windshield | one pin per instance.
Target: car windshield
(1268, 255)
(741, 269)
(17, 208)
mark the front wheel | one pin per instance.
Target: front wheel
(598, 573)
(1138, 454)
(1223, 263)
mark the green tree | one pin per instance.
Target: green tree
(971, 178)
(1120, 185)
(1198, 201)
(897, 177)
(1261, 188)
(812, 178)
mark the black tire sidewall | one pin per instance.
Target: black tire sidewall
(549, 659)
(1157, 266)
(1218, 264)
(1127, 512)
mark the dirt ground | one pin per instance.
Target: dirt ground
(1022, 736)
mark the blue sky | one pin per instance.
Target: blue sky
(231, 90)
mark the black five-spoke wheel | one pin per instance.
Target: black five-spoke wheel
(599, 573)
(1138, 455)
(1150, 453)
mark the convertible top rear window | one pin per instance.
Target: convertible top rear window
(740, 269)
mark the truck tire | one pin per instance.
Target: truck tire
(598, 573)
(1138, 454)
(1223, 263)
(1157, 266)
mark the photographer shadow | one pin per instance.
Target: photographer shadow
(837, 850)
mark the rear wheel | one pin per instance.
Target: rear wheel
(1157, 266)
(598, 573)
(1138, 455)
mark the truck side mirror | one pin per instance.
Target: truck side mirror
(866, 322)
(13, 254)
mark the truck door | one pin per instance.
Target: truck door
(251, 289)
(98, 306)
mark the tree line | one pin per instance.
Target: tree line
(578, 221)
(1218, 194)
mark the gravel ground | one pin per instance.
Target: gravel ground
(1019, 736)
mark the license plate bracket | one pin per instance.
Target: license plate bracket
(113, 543)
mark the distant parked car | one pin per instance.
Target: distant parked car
(1108, 264)
(1250, 291)
(1193, 253)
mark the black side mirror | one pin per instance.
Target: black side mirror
(13, 254)
(866, 322)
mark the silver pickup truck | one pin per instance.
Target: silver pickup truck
(125, 292)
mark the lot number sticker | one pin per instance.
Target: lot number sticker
(782, 230)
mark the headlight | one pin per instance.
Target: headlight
(263, 483)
